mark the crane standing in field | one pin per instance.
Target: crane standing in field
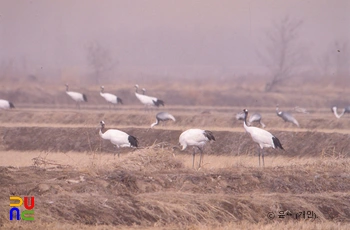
(254, 117)
(77, 97)
(162, 116)
(196, 138)
(110, 98)
(345, 110)
(262, 137)
(4, 104)
(287, 117)
(118, 138)
(147, 100)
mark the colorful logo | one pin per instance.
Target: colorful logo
(27, 214)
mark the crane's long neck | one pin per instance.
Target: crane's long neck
(155, 123)
(245, 124)
(336, 113)
(66, 88)
(102, 130)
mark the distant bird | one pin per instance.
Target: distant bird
(143, 91)
(147, 100)
(196, 138)
(117, 137)
(262, 137)
(254, 117)
(111, 98)
(345, 110)
(77, 97)
(286, 116)
(4, 104)
(163, 116)
(300, 110)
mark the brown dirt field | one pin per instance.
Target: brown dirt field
(57, 157)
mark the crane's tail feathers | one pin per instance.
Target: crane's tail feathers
(84, 97)
(208, 134)
(172, 117)
(277, 143)
(133, 141)
(119, 100)
(158, 103)
(11, 105)
(296, 122)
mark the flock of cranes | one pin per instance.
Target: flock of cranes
(197, 138)
(112, 99)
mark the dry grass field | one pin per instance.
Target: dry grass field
(52, 151)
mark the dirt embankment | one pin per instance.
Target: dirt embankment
(154, 189)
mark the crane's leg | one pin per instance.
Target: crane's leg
(193, 154)
(200, 158)
(116, 151)
(263, 157)
(259, 154)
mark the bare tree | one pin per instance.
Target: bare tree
(100, 60)
(283, 52)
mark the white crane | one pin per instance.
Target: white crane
(254, 117)
(4, 104)
(262, 137)
(196, 138)
(287, 117)
(345, 110)
(77, 97)
(118, 138)
(163, 116)
(111, 98)
(147, 100)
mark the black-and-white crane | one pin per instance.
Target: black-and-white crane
(254, 117)
(287, 117)
(345, 110)
(110, 98)
(162, 116)
(147, 100)
(263, 138)
(5, 104)
(196, 138)
(77, 97)
(118, 138)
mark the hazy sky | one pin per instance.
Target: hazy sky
(55, 34)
